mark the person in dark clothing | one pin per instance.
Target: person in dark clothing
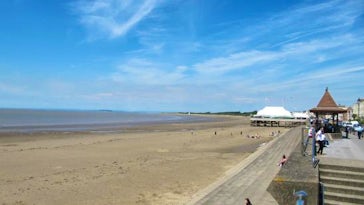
(247, 201)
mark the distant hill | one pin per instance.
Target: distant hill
(236, 113)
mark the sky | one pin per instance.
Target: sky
(180, 55)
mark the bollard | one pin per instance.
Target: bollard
(300, 195)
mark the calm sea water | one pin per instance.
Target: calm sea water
(29, 120)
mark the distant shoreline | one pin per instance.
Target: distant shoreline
(35, 121)
(207, 122)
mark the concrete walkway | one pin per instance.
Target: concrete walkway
(351, 148)
(251, 178)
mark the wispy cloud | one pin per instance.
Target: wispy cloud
(112, 18)
(337, 72)
(300, 51)
(314, 19)
(144, 72)
(11, 89)
(302, 22)
(322, 77)
(235, 61)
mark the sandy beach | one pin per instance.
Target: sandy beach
(150, 164)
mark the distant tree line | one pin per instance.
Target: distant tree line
(236, 113)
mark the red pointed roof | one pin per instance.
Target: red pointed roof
(327, 105)
(327, 100)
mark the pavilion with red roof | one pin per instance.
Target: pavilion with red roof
(328, 106)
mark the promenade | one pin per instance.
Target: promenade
(251, 178)
(351, 148)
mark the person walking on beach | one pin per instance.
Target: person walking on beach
(320, 138)
(247, 201)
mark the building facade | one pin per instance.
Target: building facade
(358, 108)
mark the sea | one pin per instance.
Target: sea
(39, 120)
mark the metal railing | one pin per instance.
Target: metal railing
(305, 142)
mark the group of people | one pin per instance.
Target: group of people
(254, 136)
(348, 130)
(320, 138)
(273, 134)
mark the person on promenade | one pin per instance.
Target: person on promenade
(247, 201)
(283, 161)
(320, 138)
(326, 141)
(310, 134)
(360, 132)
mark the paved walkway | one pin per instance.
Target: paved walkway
(251, 178)
(351, 148)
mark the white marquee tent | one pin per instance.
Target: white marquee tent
(300, 115)
(274, 112)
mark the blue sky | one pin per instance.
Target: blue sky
(180, 55)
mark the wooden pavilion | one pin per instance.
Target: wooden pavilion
(328, 106)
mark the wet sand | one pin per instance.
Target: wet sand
(150, 164)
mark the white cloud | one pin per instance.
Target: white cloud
(299, 23)
(316, 45)
(337, 12)
(11, 89)
(314, 78)
(299, 50)
(98, 96)
(145, 72)
(335, 72)
(113, 18)
(306, 51)
(59, 86)
(245, 100)
(234, 61)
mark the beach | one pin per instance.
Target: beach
(146, 164)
